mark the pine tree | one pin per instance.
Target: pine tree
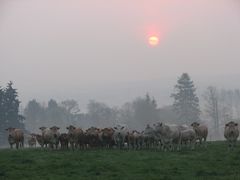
(186, 102)
(9, 111)
(2, 119)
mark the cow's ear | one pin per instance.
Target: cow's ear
(227, 124)
(67, 128)
(198, 124)
(122, 127)
(114, 127)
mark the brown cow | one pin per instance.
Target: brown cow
(64, 140)
(39, 139)
(92, 137)
(135, 140)
(231, 133)
(15, 136)
(106, 137)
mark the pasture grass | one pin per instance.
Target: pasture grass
(215, 162)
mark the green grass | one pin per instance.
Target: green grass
(215, 162)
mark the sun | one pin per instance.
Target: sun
(153, 41)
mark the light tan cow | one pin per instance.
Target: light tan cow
(15, 136)
(32, 140)
(231, 133)
(201, 132)
(75, 137)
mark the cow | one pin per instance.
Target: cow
(50, 136)
(149, 137)
(130, 140)
(188, 136)
(64, 140)
(39, 139)
(15, 136)
(106, 137)
(201, 132)
(32, 140)
(170, 135)
(136, 139)
(75, 137)
(92, 137)
(231, 133)
(120, 134)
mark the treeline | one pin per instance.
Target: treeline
(136, 114)
(221, 106)
(9, 110)
(218, 106)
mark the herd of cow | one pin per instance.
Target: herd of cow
(159, 136)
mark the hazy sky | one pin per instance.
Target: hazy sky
(98, 49)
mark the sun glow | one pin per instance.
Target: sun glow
(153, 40)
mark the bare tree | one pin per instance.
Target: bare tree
(212, 109)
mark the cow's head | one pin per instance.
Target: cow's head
(195, 124)
(54, 128)
(10, 129)
(71, 128)
(42, 128)
(231, 124)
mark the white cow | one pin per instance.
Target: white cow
(120, 134)
(170, 135)
(231, 133)
(149, 136)
(50, 136)
(188, 136)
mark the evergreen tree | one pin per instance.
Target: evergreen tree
(2, 119)
(186, 102)
(11, 107)
(145, 112)
(35, 115)
(9, 111)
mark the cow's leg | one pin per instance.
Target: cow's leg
(17, 145)
(193, 143)
(235, 143)
(205, 142)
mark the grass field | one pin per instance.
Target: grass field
(215, 162)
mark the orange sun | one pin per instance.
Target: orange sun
(153, 40)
